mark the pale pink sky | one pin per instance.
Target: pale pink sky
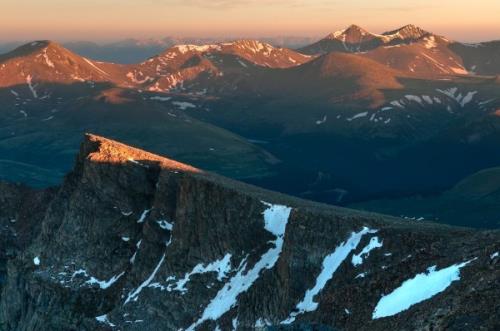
(101, 20)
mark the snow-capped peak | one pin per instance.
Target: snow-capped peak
(407, 32)
(354, 31)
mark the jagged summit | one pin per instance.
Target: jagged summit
(407, 32)
(355, 39)
(352, 32)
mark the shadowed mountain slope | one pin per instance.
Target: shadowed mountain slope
(137, 241)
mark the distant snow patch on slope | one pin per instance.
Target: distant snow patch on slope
(454, 94)
(330, 264)
(47, 60)
(29, 81)
(414, 98)
(359, 115)
(357, 259)
(321, 121)
(430, 42)
(96, 67)
(275, 221)
(158, 98)
(468, 98)
(183, 105)
(133, 77)
(421, 287)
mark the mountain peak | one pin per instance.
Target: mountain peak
(41, 44)
(408, 31)
(35, 48)
(354, 27)
(103, 150)
(352, 31)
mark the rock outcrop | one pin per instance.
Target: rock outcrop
(134, 241)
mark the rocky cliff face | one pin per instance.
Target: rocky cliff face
(134, 241)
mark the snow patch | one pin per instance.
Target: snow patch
(47, 60)
(275, 221)
(29, 81)
(183, 105)
(158, 98)
(105, 320)
(102, 283)
(143, 216)
(330, 264)
(165, 225)
(222, 267)
(421, 287)
(96, 67)
(321, 121)
(357, 259)
(359, 115)
(36, 261)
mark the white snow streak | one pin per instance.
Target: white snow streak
(275, 221)
(143, 216)
(29, 80)
(102, 283)
(363, 114)
(135, 295)
(330, 264)
(96, 67)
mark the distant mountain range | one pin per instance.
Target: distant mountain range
(130, 51)
(353, 117)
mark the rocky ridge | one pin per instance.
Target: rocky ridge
(135, 241)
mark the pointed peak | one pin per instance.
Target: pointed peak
(351, 30)
(354, 27)
(40, 44)
(36, 47)
(408, 31)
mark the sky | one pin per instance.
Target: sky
(107, 20)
